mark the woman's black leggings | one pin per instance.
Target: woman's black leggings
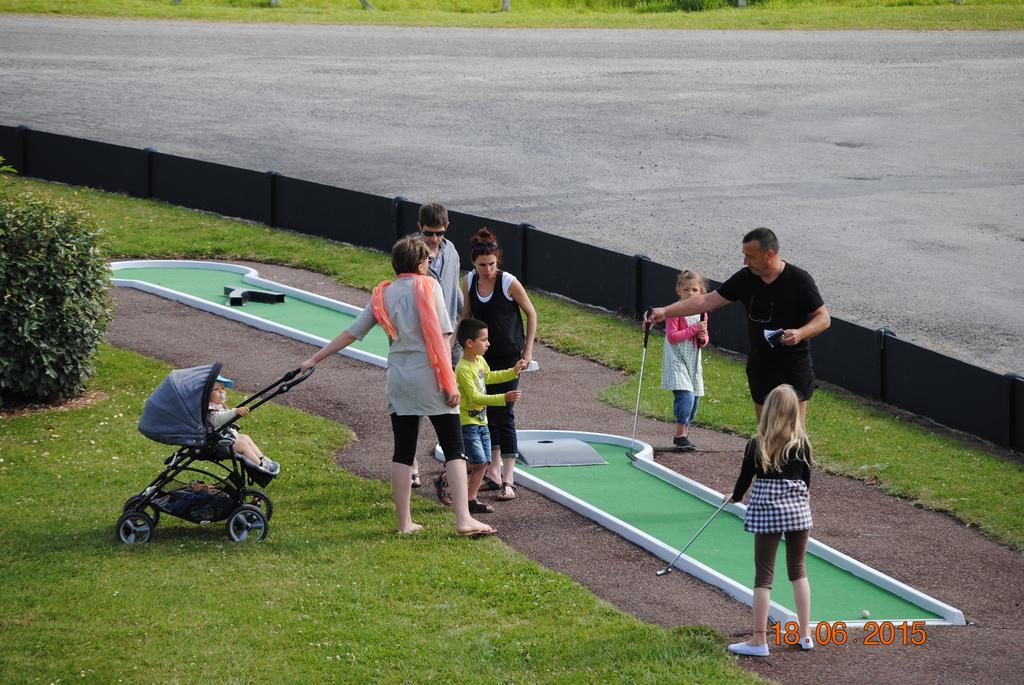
(501, 421)
(406, 430)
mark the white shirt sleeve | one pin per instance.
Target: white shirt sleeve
(222, 418)
(507, 280)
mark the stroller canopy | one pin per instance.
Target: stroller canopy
(175, 414)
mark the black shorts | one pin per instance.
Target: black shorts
(764, 377)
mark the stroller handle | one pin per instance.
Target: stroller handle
(282, 385)
(291, 374)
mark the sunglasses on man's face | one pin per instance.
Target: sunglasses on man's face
(433, 234)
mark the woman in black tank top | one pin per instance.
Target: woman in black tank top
(499, 300)
(503, 317)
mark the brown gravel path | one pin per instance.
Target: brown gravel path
(928, 550)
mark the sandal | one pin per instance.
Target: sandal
(502, 496)
(489, 484)
(478, 532)
(476, 507)
(444, 494)
(416, 480)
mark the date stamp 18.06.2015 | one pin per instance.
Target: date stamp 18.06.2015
(876, 633)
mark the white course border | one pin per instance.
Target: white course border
(251, 276)
(645, 462)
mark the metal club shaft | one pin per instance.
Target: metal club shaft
(668, 569)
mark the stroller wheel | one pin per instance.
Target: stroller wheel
(135, 528)
(260, 500)
(247, 524)
(153, 512)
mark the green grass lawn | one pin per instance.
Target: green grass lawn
(850, 436)
(332, 595)
(667, 14)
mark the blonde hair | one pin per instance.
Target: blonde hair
(692, 275)
(780, 433)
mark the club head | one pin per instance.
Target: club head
(667, 569)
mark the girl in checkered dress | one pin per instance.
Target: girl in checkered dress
(780, 456)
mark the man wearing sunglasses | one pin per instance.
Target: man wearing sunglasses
(784, 311)
(444, 259)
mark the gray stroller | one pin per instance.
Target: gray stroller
(204, 480)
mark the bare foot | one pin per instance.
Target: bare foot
(413, 528)
(471, 525)
(476, 523)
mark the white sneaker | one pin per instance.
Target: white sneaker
(807, 643)
(270, 466)
(743, 649)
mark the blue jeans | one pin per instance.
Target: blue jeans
(477, 441)
(685, 406)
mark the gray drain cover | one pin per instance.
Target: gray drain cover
(558, 452)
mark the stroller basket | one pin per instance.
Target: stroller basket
(196, 504)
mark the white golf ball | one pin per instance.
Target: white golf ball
(865, 613)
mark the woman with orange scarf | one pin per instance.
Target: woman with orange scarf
(420, 380)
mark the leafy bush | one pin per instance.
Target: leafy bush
(54, 304)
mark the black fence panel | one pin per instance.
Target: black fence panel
(947, 390)
(75, 161)
(226, 190)
(657, 284)
(1017, 415)
(407, 214)
(329, 212)
(849, 356)
(581, 272)
(728, 326)
(10, 147)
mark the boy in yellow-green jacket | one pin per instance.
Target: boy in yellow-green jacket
(473, 375)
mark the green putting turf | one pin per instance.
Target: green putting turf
(208, 284)
(671, 515)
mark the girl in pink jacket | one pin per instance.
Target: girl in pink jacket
(681, 370)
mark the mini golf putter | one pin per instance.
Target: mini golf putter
(631, 452)
(668, 569)
(237, 297)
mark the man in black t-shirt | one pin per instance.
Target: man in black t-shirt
(784, 311)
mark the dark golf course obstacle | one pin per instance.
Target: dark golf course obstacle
(237, 297)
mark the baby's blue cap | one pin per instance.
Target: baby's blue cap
(228, 383)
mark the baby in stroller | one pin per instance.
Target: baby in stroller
(220, 416)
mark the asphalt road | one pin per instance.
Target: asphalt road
(891, 164)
